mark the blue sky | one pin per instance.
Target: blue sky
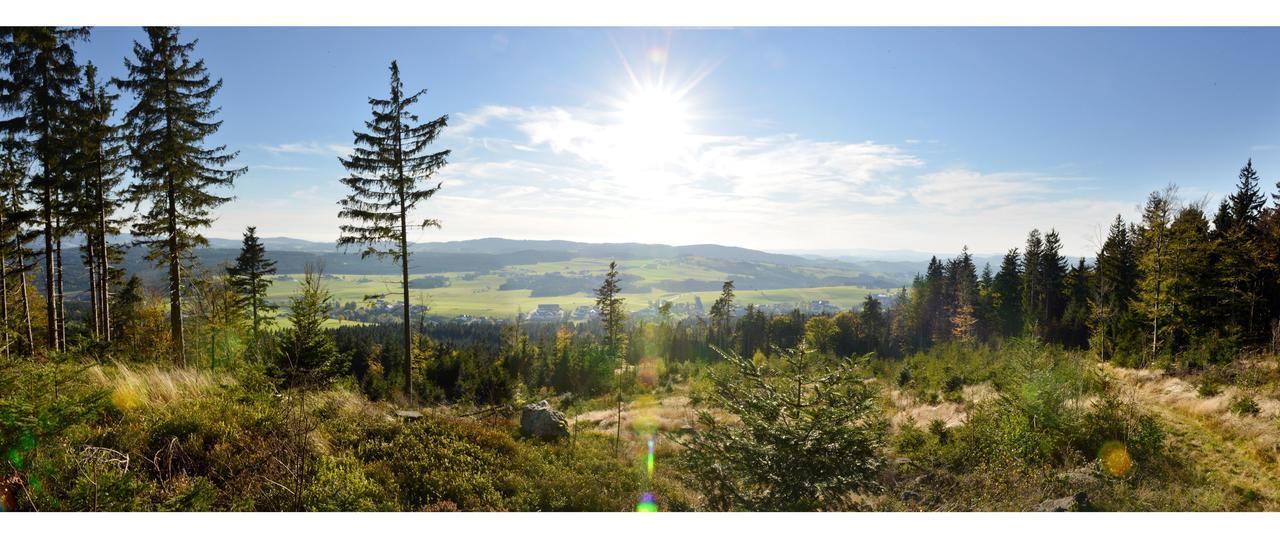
(779, 139)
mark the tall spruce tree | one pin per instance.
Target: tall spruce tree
(251, 277)
(15, 235)
(1237, 233)
(1006, 292)
(1033, 286)
(1154, 262)
(99, 171)
(38, 89)
(1114, 288)
(391, 171)
(176, 172)
(1053, 274)
(612, 318)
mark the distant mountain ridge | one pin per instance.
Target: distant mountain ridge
(292, 255)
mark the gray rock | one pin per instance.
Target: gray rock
(1078, 502)
(538, 420)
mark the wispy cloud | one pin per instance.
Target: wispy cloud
(309, 148)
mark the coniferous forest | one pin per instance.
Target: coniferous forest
(1141, 376)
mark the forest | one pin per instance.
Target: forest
(1142, 377)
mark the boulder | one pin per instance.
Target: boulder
(1077, 502)
(539, 420)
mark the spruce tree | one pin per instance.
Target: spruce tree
(1006, 292)
(722, 315)
(176, 172)
(1154, 261)
(612, 317)
(391, 171)
(15, 235)
(307, 354)
(1115, 287)
(39, 91)
(99, 171)
(1236, 229)
(1033, 288)
(1053, 274)
(251, 277)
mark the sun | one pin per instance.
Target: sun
(654, 113)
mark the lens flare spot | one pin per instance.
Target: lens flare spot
(648, 503)
(125, 398)
(1115, 458)
(649, 372)
(649, 462)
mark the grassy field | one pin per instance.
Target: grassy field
(480, 295)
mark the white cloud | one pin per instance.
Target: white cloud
(309, 148)
(566, 173)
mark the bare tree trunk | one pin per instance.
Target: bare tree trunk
(104, 267)
(91, 264)
(51, 337)
(4, 299)
(404, 282)
(175, 286)
(26, 308)
(62, 307)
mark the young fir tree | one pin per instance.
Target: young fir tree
(391, 172)
(99, 171)
(176, 172)
(805, 435)
(307, 354)
(251, 277)
(39, 92)
(15, 235)
(612, 318)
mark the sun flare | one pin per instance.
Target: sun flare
(653, 112)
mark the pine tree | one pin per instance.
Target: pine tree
(251, 277)
(99, 171)
(390, 174)
(39, 91)
(176, 174)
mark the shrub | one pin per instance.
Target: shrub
(1208, 387)
(1244, 405)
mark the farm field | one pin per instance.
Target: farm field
(480, 294)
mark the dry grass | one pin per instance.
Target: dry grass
(908, 410)
(1240, 451)
(154, 386)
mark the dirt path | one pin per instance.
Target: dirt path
(1232, 451)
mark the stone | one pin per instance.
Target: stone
(539, 420)
(1074, 503)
